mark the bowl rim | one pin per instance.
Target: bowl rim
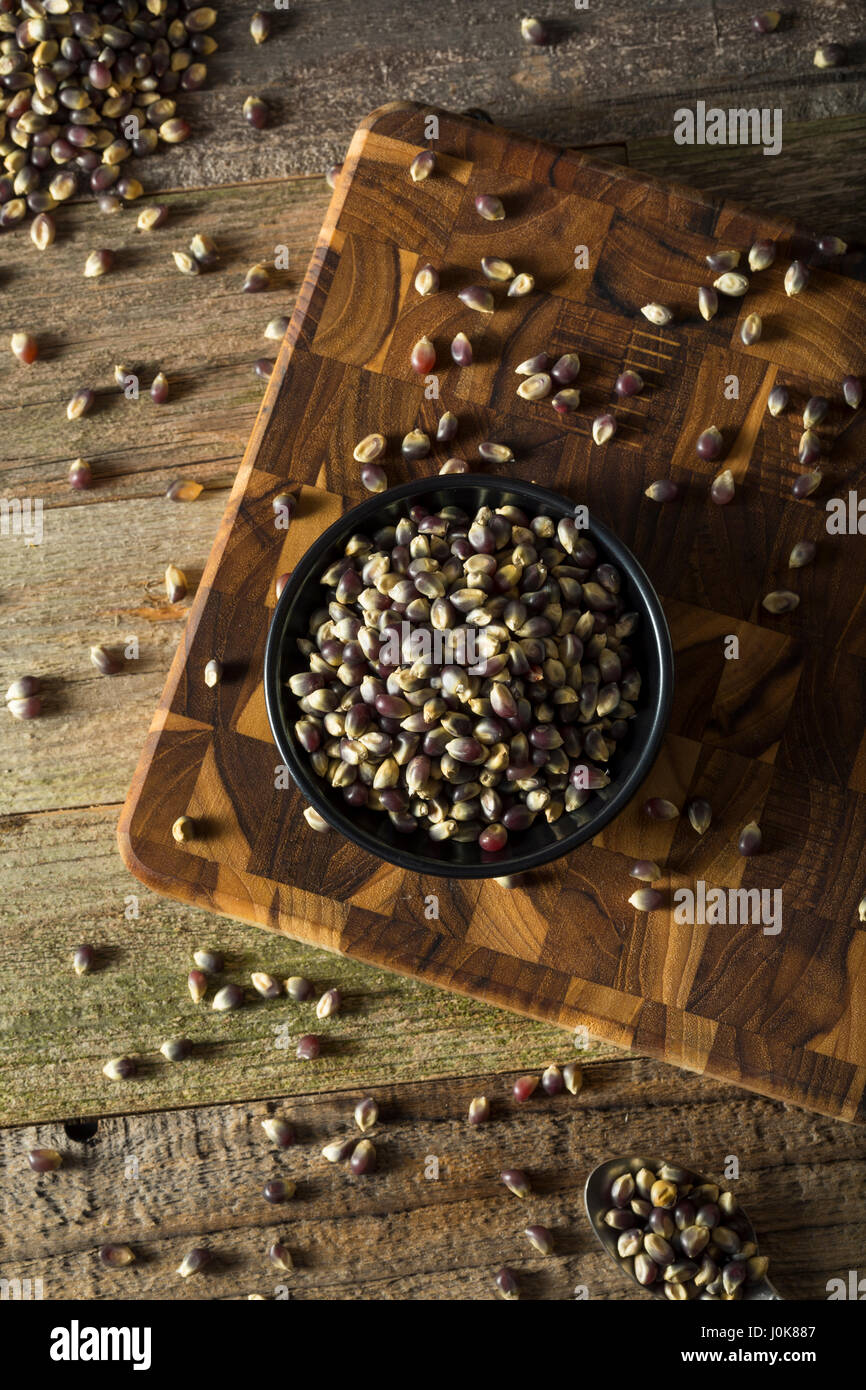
(509, 861)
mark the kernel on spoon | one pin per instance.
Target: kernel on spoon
(600, 1200)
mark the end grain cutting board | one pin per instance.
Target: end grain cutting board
(776, 735)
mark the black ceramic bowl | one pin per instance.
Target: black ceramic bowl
(372, 830)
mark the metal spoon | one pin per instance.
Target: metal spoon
(598, 1200)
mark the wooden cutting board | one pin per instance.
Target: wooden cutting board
(776, 735)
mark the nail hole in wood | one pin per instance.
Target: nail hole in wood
(81, 1130)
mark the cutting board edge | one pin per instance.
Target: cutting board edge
(771, 1089)
(583, 155)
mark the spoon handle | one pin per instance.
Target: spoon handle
(769, 1294)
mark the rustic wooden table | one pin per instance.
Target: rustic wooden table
(177, 1156)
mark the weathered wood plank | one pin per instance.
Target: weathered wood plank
(616, 72)
(813, 179)
(167, 1182)
(64, 883)
(325, 78)
(98, 576)
(201, 330)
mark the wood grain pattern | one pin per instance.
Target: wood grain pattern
(777, 1013)
(98, 578)
(167, 1182)
(63, 883)
(617, 75)
(616, 72)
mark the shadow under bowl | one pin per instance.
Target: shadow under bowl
(373, 831)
